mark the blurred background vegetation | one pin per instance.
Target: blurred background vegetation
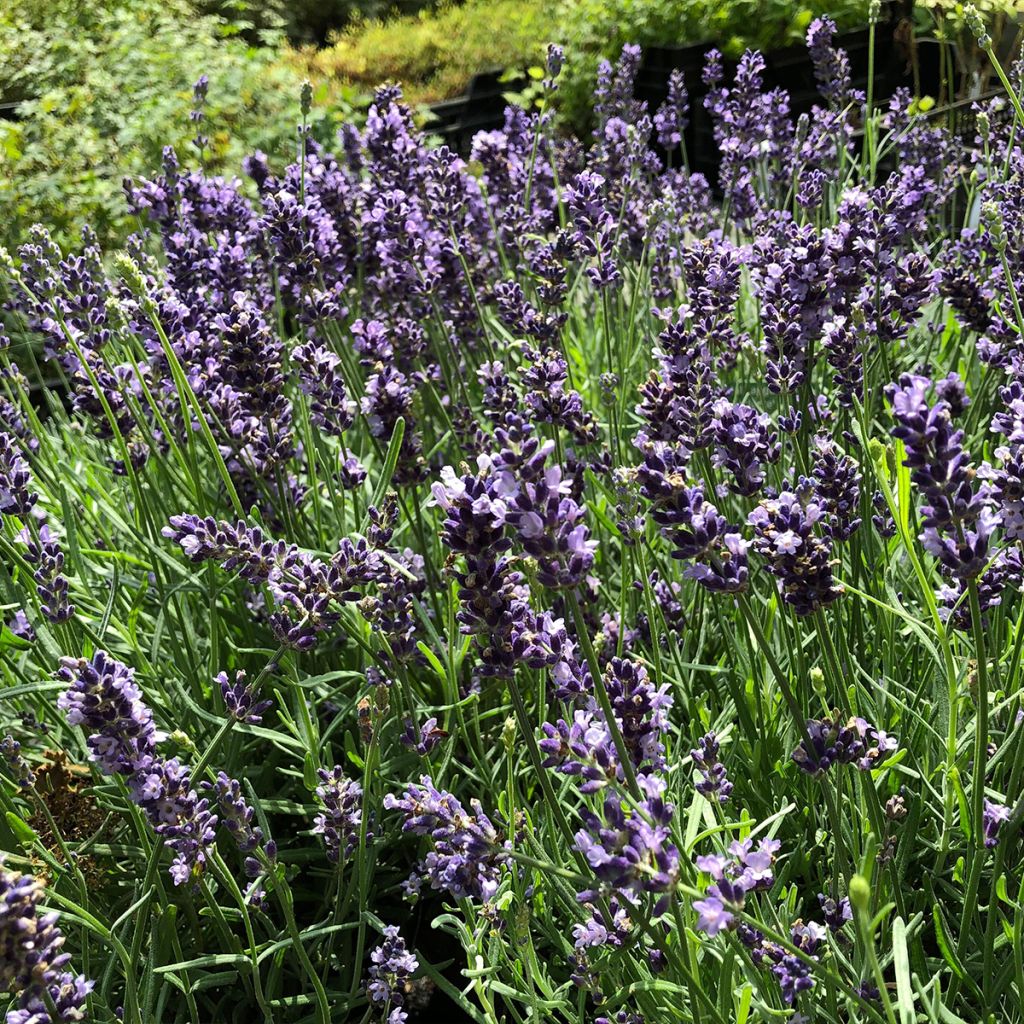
(92, 90)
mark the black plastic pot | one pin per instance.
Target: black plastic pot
(481, 109)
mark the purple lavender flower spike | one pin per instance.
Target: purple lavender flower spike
(744, 445)
(745, 869)
(330, 407)
(551, 527)
(16, 496)
(671, 118)
(467, 855)
(31, 957)
(835, 913)
(178, 815)
(106, 701)
(698, 532)
(714, 784)
(241, 699)
(18, 767)
(422, 738)
(234, 812)
(800, 559)
(629, 851)
(837, 487)
(104, 698)
(831, 65)
(833, 741)
(340, 820)
(391, 966)
(958, 520)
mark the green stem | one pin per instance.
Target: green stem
(601, 691)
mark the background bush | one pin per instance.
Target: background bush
(312, 21)
(435, 53)
(103, 85)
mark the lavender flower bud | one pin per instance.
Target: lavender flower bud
(30, 956)
(340, 821)
(19, 768)
(714, 783)
(391, 966)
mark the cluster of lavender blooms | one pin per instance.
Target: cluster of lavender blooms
(17, 766)
(468, 853)
(714, 783)
(106, 701)
(391, 965)
(832, 741)
(42, 550)
(241, 700)
(306, 592)
(341, 819)
(735, 876)
(965, 504)
(31, 959)
(373, 357)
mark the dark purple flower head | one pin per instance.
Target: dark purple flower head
(641, 711)
(306, 591)
(107, 703)
(957, 519)
(467, 855)
(994, 815)
(670, 119)
(19, 769)
(785, 536)
(632, 850)
(31, 957)
(583, 748)
(554, 61)
(837, 488)
(835, 913)
(235, 813)
(320, 378)
(44, 552)
(833, 741)
(164, 791)
(341, 816)
(241, 700)
(714, 783)
(422, 738)
(842, 343)
(16, 496)
(695, 528)
(238, 547)
(552, 529)
(744, 445)
(831, 65)
(67, 992)
(105, 700)
(391, 967)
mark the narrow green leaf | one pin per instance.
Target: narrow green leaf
(901, 965)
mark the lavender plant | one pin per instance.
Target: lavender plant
(530, 588)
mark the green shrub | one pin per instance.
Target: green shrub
(435, 54)
(312, 21)
(104, 85)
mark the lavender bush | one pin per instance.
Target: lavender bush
(526, 588)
